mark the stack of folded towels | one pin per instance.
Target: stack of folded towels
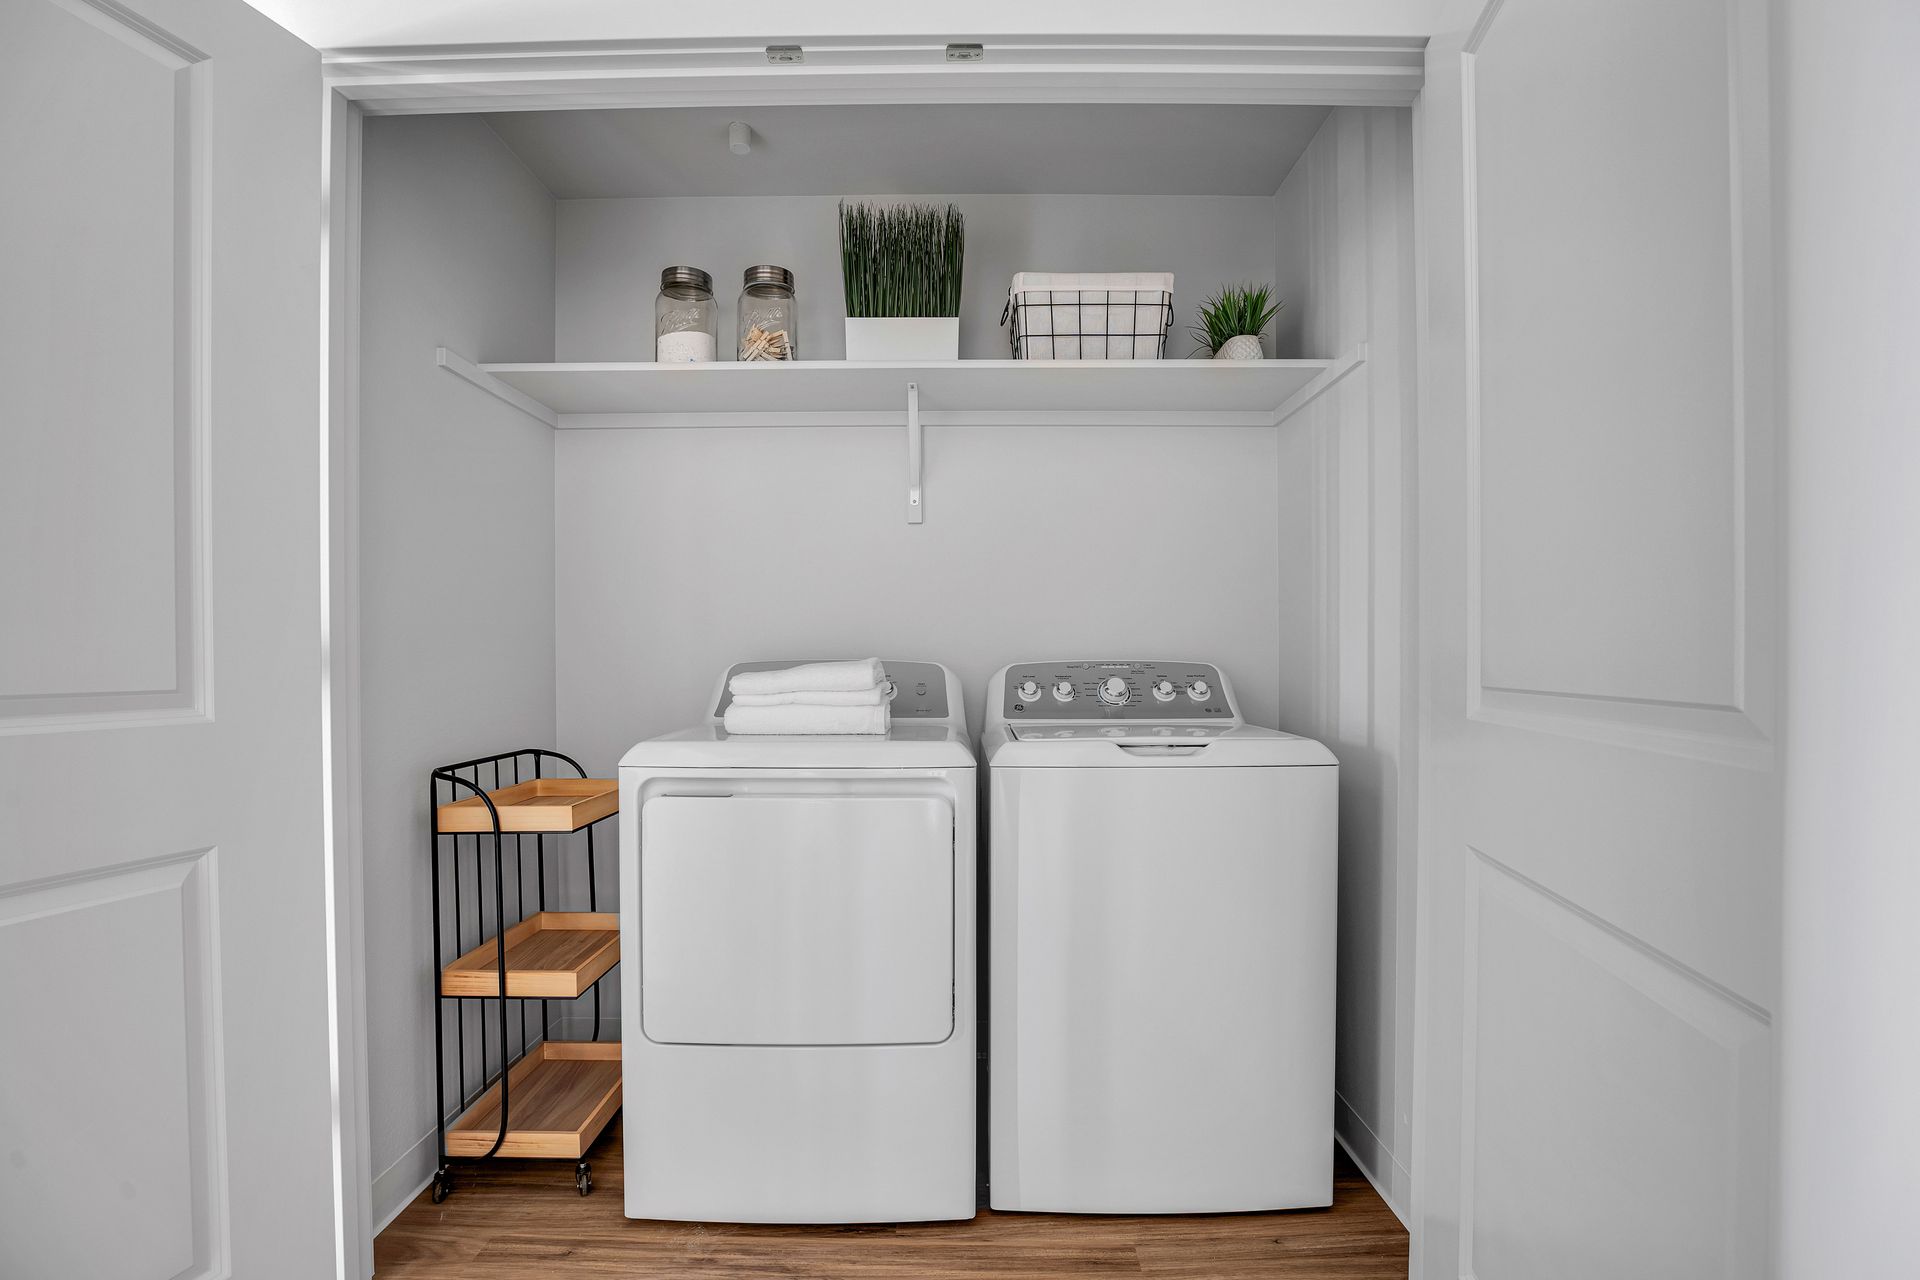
(819, 697)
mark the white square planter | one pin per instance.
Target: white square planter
(916, 338)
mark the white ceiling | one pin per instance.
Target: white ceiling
(974, 149)
(346, 24)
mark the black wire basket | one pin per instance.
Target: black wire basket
(1087, 324)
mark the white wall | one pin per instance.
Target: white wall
(1343, 263)
(682, 551)
(457, 552)
(1849, 1023)
(611, 253)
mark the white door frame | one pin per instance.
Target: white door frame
(1310, 71)
(340, 721)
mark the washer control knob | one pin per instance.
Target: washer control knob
(1063, 691)
(1163, 690)
(1199, 691)
(1029, 691)
(1113, 691)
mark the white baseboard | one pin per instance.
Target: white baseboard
(1374, 1159)
(395, 1187)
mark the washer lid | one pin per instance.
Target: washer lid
(1084, 746)
(929, 744)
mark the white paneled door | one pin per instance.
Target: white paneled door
(165, 1101)
(1600, 852)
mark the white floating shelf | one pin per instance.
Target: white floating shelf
(1253, 393)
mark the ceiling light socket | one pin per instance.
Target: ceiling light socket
(783, 53)
(966, 53)
(739, 138)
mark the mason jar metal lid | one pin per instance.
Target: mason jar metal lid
(686, 278)
(767, 274)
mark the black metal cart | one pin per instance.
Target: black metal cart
(520, 1092)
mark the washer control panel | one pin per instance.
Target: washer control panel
(1154, 734)
(1115, 691)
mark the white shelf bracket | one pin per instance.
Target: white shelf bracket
(453, 362)
(1322, 384)
(916, 506)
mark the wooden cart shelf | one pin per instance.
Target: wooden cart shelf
(553, 955)
(555, 1096)
(537, 805)
(563, 1093)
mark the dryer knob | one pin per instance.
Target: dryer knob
(1163, 690)
(1029, 691)
(1113, 691)
(1199, 691)
(1063, 691)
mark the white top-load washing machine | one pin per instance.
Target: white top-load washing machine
(797, 921)
(1161, 909)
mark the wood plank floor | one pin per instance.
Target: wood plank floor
(521, 1218)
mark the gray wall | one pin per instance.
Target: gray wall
(457, 552)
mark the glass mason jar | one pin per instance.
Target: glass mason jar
(686, 323)
(769, 319)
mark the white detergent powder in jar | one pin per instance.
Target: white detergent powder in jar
(687, 346)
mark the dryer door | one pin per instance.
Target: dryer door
(796, 920)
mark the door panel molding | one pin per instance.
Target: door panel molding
(1740, 730)
(96, 934)
(128, 27)
(1697, 1048)
(28, 708)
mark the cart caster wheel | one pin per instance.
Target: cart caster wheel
(583, 1177)
(442, 1187)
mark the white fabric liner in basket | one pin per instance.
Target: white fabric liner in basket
(1090, 315)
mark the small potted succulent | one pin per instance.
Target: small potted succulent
(901, 266)
(1231, 321)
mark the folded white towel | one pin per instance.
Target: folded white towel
(812, 677)
(814, 698)
(798, 719)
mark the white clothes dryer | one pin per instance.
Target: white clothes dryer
(797, 922)
(1161, 911)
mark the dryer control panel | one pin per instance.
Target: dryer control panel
(915, 690)
(1116, 691)
(918, 690)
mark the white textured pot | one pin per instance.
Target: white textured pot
(1245, 346)
(916, 338)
